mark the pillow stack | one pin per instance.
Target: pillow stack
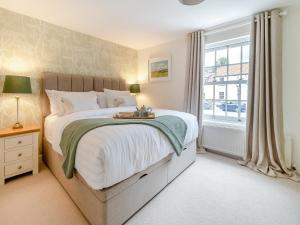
(64, 102)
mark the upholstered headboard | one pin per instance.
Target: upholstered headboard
(76, 83)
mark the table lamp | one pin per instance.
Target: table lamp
(134, 88)
(17, 85)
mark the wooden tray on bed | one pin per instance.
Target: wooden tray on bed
(130, 115)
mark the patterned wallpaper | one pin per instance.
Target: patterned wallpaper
(29, 46)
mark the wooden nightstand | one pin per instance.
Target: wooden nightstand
(18, 151)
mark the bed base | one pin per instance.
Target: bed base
(116, 204)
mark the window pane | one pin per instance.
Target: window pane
(234, 69)
(235, 55)
(232, 91)
(232, 109)
(220, 109)
(244, 91)
(221, 79)
(221, 71)
(208, 107)
(209, 58)
(209, 74)
(221, 57)
(220, 92)
(245, 53)
(245, 77)
(243, 109)
(208, 92)
(245, 68)
(233, 78)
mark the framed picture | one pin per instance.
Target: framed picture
(160, 69)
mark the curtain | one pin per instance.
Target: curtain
(194, 79)
(264, 133)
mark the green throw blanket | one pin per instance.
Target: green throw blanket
(172, 126)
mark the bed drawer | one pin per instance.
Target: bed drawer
(179, 163)
(17, 141)
(135, 196)
(17, 154)
(17, 168)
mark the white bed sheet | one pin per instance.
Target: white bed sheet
(110, 154)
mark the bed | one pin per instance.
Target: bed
(108, 196)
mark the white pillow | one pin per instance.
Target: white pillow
(66, 102)
(101, 99)
(111, 95)
(55, 102)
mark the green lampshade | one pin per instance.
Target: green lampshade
(17, 84)
(134, 88)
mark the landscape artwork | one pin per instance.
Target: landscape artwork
(160, 69)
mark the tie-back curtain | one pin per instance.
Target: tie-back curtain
(194, 78)
(264, 133)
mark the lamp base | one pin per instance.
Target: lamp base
(17, 126)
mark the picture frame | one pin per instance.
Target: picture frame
(159, 69)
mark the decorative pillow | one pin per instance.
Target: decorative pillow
(125, 101)
(101, 99)
(111, 95)
(68, 106)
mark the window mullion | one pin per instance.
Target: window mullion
(240, 86)
(227, 65)
(214, 87)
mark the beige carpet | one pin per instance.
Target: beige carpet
(213, 191)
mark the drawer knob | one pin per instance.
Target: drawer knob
(19, 142)
(20, 154)
(20, 167)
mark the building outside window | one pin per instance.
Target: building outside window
(226, 71)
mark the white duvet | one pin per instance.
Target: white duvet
(110, 154)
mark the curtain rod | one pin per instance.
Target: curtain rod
(236, 24)
(281, 13)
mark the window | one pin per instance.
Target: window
(226, 69)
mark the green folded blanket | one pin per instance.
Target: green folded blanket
(172, 126)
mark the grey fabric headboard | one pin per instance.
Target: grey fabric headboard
(76, 83)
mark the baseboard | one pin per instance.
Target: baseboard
(224, 154)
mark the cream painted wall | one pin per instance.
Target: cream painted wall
(291, 79)
(29, 46)
(167, 94)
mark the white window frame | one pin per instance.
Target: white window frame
(244, 40)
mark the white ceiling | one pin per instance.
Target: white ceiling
(138, 23)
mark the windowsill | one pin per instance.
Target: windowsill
(233, 125)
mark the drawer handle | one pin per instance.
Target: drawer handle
(20, 167)
(143, 176)
(19, 142)
(20, 154)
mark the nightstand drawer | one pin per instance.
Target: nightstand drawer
(17, 141)
(17, 168)
(19, 153)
